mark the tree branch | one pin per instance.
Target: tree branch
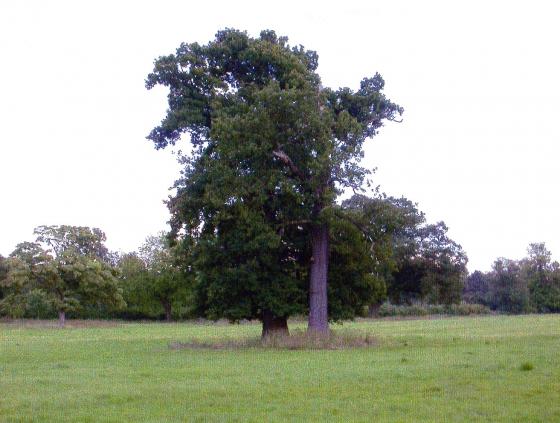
(288, 162)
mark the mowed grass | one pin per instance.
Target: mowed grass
(493, 368)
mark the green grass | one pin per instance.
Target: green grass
(447, 370)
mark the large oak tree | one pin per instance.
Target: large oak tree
(272, 148)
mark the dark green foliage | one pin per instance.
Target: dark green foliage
(245, 268)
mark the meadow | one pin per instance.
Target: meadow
(460, 369)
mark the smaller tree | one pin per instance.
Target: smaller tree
(67, 264)
(134, 282)
(165, 280)
(386, 225)
(445, 265)
(431, 267)
(73, 280)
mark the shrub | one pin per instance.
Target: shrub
(527, 366)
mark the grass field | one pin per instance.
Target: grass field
(493, 368)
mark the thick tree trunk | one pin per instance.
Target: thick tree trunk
(167, 308)
(318, 311)
(61, 318)
(273, 325)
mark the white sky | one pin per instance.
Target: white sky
(479, 82)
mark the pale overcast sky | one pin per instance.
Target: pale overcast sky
(479, 81)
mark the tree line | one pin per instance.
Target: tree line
(402, 260)
(529, 285)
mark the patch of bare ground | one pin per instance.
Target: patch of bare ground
(297, 340)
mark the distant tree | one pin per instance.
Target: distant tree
(509, 291)
(68, 265)
(135, 286)
(265, 130)
(445, 265)
(431, 267)
(75, 280)
(477, 288)
(21, 277)
(388, 225)
(541, 278)
(164, 279)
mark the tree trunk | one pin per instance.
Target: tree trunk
(318, 311)
(167, 308)
(61, 318)
(273, 325)
(373, 309)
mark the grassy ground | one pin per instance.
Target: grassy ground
(494, 368)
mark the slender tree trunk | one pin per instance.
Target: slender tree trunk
(61, 318)
(318, 311)
(273, 325)
(167, 308)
